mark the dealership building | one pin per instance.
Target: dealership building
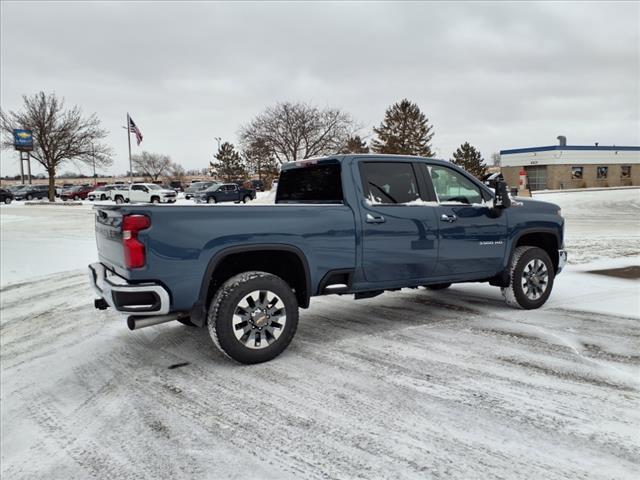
(564, 166)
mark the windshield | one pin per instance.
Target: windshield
(213, 187)
(154, 187)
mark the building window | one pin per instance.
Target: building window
(602, 172)
(625, 171)
(576, 173)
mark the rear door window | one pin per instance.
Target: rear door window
(389, 182)
(311, 184)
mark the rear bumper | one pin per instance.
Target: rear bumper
(131, 299)
(562, 260)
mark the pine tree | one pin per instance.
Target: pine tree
(260, 160)
(467, 157)
(405, 130)
(355, 145)
(229, 164)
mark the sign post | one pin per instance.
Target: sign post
(23, 143)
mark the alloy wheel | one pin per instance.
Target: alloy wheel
(259, 319)
(535, 279)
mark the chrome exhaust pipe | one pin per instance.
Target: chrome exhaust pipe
(135, 323)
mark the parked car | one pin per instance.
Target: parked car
(80, 192)
(225, 192)
(195, 187)
(258, 185)
(347, 224)
(144, 193)
(176, 185)
(103, 192)
(6, 196)
(31, 192)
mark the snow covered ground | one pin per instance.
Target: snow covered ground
(411, 384)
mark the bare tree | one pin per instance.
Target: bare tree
(294, 131)
(176, 172)
(151, 165)
(59, 134)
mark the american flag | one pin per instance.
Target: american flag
(134, 129)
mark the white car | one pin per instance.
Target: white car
(144, 193)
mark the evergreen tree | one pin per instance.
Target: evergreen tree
(467, 157)
(229, 164)
(355, 145)
(260, 160)
(405, 130)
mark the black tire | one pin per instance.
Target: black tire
(119, 199)
(228, 300)
(29, 197)
(7, 200)
(103, 197)
(212, 200)
(76, 198)
(438, 286)
(155, 199)
(531, 276)
(246, 199)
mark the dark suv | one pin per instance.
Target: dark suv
(6, 196)
(29, 192)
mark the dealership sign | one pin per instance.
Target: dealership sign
(23, 140)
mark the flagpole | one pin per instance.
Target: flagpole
(129, 142)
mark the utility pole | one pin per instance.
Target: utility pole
(93, 156)
(218, 139)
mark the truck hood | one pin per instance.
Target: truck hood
(534, 205)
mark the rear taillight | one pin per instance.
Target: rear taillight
(134, 252)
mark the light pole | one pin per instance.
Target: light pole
(218, 139)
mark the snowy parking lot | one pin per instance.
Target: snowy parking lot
(411, 384)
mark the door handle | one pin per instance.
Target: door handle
(375, 218)
(448, 218)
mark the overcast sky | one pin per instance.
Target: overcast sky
(499, 75)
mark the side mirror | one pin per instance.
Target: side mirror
(501, 199)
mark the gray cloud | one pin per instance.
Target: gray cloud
(499, 75)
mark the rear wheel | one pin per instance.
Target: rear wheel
(103, 197)
(211, 200)
(29, 197)
(119, 199)
(246, 199)
(438, 286)
(253, 317)
(7, 200)
(531, 278)
(155, 199)
(76, 198)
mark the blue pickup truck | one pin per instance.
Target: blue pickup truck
(345, 224)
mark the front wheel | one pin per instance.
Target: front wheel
(76, 198)
(119, 200)
(531, 278)
(211, 200)
(253, 317)
(29, 197)
(7, 200)
(103, 197)
(155, 200)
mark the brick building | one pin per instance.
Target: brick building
(564, 166)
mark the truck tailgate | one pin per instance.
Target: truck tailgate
(109, 237)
